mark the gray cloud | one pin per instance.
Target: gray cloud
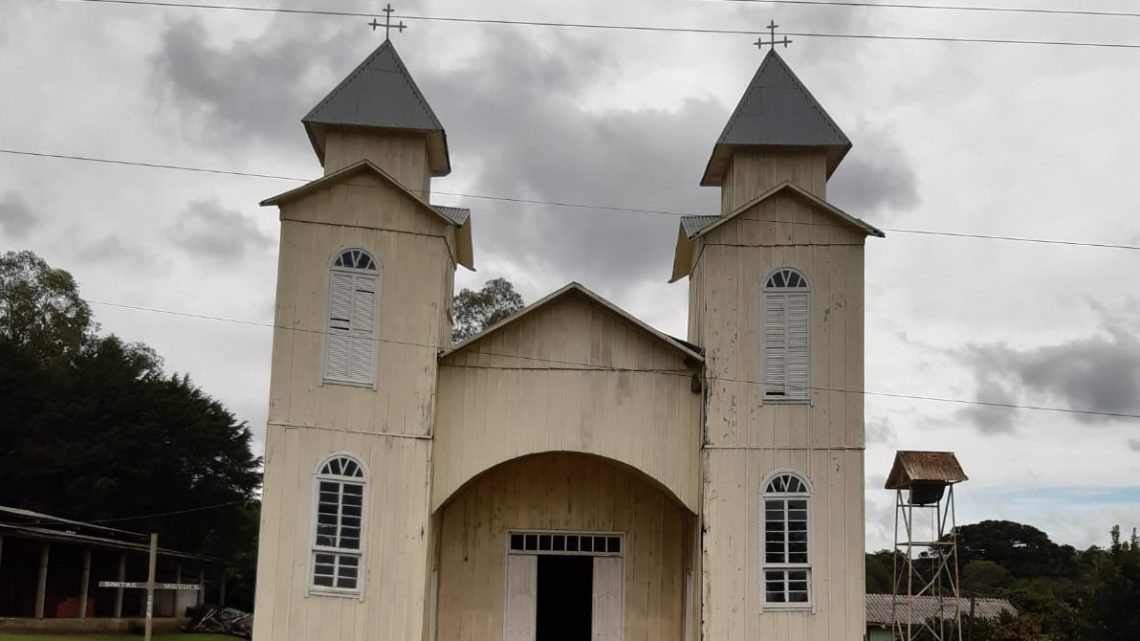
(876, 177)
(1100, 373)
(880, 431)
(207, 228)
(16, 219)
(112, 249)
(991, 419)
(1134, 444)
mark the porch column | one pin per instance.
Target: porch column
(119, 591)
(84, 581)
(222, 589)
(201, 584)
(41, 583)
(1, 547)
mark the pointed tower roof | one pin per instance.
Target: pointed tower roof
(380, 94)
(776, 110)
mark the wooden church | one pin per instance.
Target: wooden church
(571, 473)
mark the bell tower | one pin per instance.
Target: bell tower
(776, 303)
(366, 270)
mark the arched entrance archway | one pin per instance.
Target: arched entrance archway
(532, 547)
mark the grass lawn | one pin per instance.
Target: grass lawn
(173, 637)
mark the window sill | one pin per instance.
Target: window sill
(776, 400)
(357, 384)
(789, 607)
(334, 592)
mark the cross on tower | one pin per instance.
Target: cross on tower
(772, 26)
(388, 26)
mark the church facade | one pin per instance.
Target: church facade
(570, 473)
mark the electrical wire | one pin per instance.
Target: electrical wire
(608, 27)
(160, 514)
(563, 204)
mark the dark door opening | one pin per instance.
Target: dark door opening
(565, 598)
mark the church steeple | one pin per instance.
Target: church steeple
(778, 132)
(377, 113)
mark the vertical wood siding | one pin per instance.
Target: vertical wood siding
(403, 155)
(751, 173)
(562, 492)
(497, 402)
(747, 437)
(416, 272)
(395, 548)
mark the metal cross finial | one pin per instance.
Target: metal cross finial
(772, 26)
(388, 26)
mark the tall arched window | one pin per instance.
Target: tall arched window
(350, 346)
(338, 534)
(786, 344)
(787, 551)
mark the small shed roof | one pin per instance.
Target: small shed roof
(924, 467)
(380, 94)
(776, 110)
(924, 608)
(459, 217)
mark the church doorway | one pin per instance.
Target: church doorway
(563, 586)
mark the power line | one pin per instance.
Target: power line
(154, 516)
(589, 367)
(564, 204)
(938, 7)
(610, 27)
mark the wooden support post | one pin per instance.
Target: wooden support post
(41, 584)
(222, 589)
(150, 584)
(122, 576)
(1, 548)
(84, 581)
(202, 584)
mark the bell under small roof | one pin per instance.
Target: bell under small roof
(776, 110)
(380, 94)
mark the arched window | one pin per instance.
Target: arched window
(350, 345)
(787, 550)
(338, 535)
(786, 346)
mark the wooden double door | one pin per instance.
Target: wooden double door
(563, 586)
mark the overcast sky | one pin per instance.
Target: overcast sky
(994, 139)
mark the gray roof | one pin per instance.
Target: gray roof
(776, 110)
(379, 93)
(457, 215)
(927, 607)
(694, 224)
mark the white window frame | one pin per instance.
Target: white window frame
(765, 292)
(314, 549)
(376, 274)
(765, 566)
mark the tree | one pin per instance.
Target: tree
(40, 307)
(472, 311)
(94, 429)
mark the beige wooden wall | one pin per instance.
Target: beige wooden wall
(547, 383)
(403, 155)
(733, 541)
(413, 249)
(724, 318)
(562, 492)
(396, 553)
(751, 173)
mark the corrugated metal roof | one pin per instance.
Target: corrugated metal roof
(879, 611)
(379, 93)
(924, 467)
(457, 215)
(776, 110)
(694, 224)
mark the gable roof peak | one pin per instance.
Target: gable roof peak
(776, 110)
(380, 94)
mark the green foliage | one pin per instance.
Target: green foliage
(93, 429)
(472, 311)
(1062, 594)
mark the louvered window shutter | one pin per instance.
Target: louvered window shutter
(797, 320)
(339, 337)
(775, 344)
(351, 345)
